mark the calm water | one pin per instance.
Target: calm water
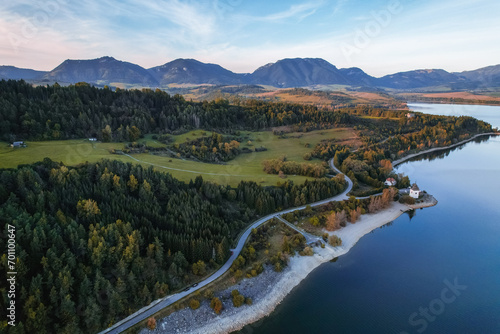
(490, 114)
(395, 270)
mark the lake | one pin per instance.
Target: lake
(490, 114)
(435, 272)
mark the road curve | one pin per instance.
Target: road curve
(158, 305)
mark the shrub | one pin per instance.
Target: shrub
(406, 199)
(151, 323)
(334, 241)
(216, 305)
(194, 304)
(308, 251)
(238, 300)
(248, 301)
(208, 294)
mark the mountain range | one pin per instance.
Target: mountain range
(285, 73)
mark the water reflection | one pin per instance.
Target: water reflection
(446, 152)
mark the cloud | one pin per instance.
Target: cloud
(339, 6)
(300, 12)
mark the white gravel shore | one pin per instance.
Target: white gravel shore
(269, 288)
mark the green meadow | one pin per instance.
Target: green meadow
(246, 166)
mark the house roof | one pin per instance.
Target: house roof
(415, 187)
(391, 179)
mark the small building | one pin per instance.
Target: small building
(390, 182)
(410, 115)
(18, 144)
(92, 139)
(414, 191)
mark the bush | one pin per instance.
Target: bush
(238, 300)
(199, 268)
(216, 305)
(248, 301)
(308, 251)
(334, 241)
(208, 294)
(151, 323)
(194, 304)
(406, 199)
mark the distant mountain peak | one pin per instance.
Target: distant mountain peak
(104, 70)
(286, 73)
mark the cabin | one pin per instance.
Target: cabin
(390, 182)
(415, 191)
(410, 115)
(18, 144)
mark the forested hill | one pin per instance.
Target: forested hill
(79, 111)
(99, 241)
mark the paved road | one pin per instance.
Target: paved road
(158, 305)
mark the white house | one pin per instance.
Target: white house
(410, 115)
(92, 139)
(390, 182)
(414, 191)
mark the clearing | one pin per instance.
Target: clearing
(245, 167)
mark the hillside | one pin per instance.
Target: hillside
(298, 72)
(104, 70)
(483, 77)
(16, 73)
(191, 71)
(285, 73)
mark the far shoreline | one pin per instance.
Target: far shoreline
(234, 319)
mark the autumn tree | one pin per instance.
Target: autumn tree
(151, 323)
(133, 183)
(88, 208)
(216, 305)
(335, 220)
(334, 241)
(107, 134)
(238, 299)
(194, 304)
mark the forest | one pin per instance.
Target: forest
(82, 111)
(215, 149)
(98, 241)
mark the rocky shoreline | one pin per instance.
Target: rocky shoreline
(270, 288)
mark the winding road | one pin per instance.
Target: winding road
(160, 304)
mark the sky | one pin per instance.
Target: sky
(381, 37)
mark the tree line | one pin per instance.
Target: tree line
(97, 241)
(80, 110)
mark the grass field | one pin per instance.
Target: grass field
(247, 166)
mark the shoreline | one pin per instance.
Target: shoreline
(274, 287)
(435, 149)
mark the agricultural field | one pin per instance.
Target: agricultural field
(246, 166)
